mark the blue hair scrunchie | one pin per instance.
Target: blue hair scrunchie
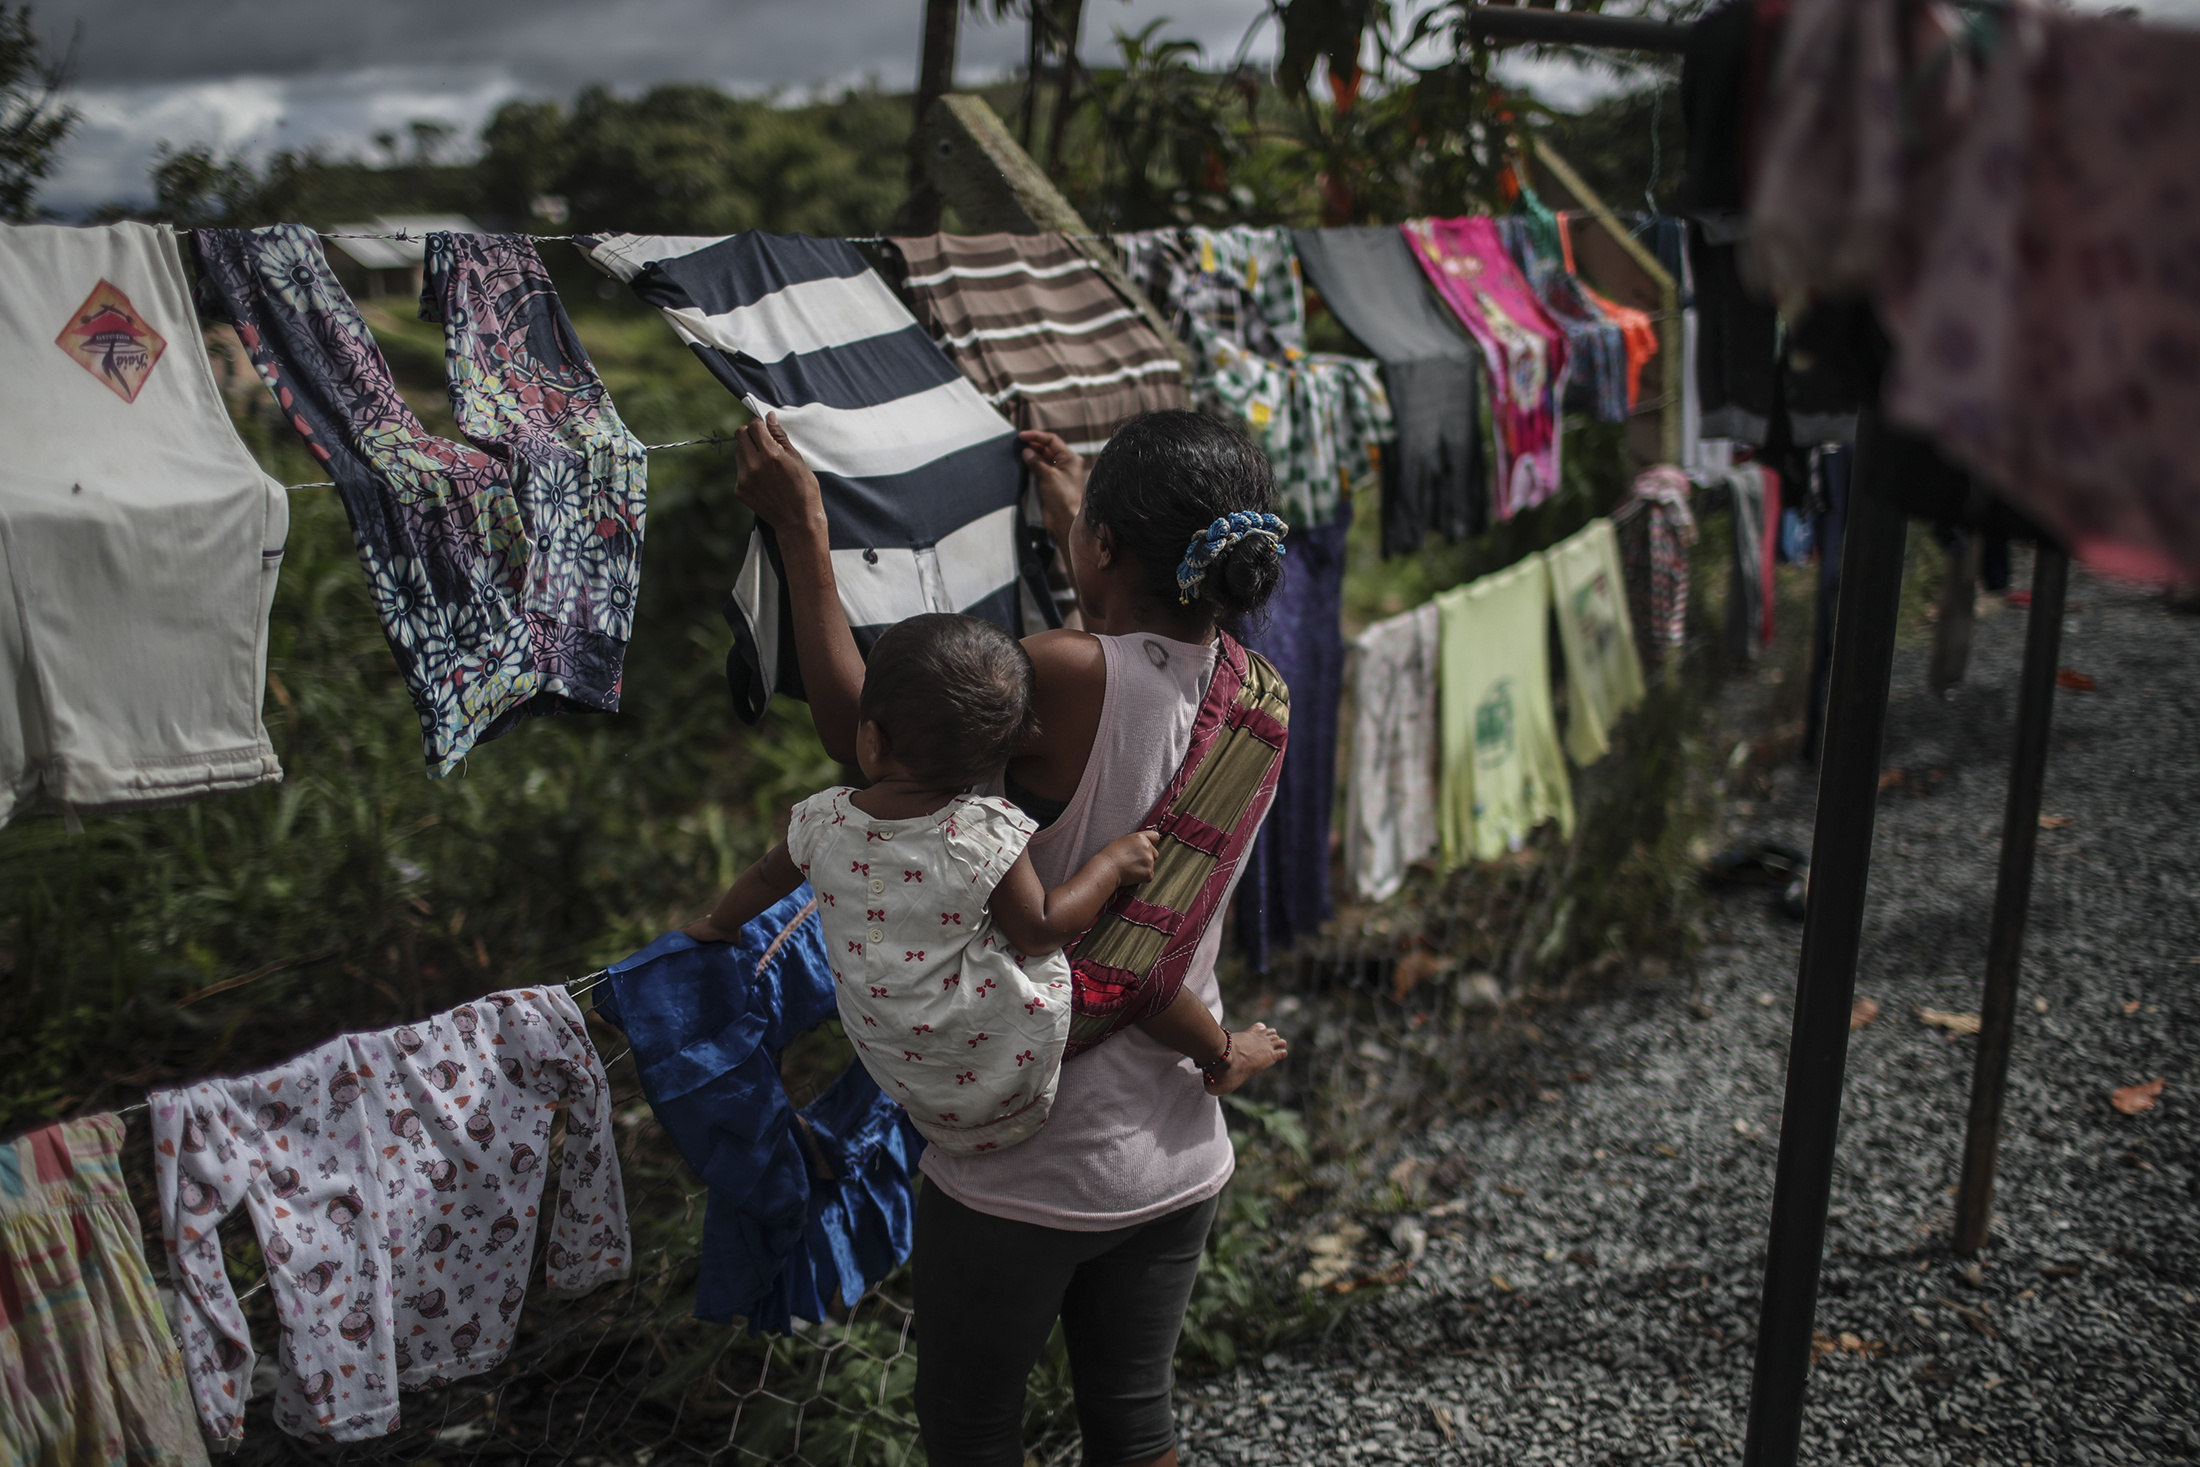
(1207, 546)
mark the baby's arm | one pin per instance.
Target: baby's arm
(1037, 921)
(758, 887)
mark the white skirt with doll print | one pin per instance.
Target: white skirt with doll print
(965, 1033)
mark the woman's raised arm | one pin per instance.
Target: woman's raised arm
(781, 489)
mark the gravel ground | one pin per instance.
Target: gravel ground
(1588, 1289)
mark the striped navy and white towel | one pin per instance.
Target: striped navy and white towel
(920, 475)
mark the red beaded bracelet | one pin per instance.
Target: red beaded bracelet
(1229, 1042)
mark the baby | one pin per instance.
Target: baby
(946, 950)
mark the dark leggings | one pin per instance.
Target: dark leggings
(988, 1293)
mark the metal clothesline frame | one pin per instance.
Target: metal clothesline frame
(1865, 619)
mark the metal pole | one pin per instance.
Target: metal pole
(2020, 833)
(1848, 794)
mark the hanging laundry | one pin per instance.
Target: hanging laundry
(1596, 352)
(1236, 296)
(1857, 109)
(395, 1181)
(1668, 240)
(139, 542)
(1522, 346)
(1044, 337)
(504, 573)
(1603, 670)
(1502, 772)
(804, 1205)
(90, 1373)
(1040, 332)
(1322, 420)
(1283, 893)
(1434, 477)
(1241, 284)
(1656, 528)
(920, 474)
(2050, 336)
(1751, 593)
(1390, 798)
(1638, 333)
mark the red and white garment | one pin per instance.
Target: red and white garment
(394, 1180)
(965, 1033)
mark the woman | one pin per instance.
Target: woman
(1100, 1218)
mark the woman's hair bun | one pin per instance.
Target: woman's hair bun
(1162, 483)
(1248, 573)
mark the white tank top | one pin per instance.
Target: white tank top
(1134, 1135)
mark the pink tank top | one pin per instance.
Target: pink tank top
(1134, 1134)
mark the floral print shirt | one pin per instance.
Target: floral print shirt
(505, 569)
(395, 1180)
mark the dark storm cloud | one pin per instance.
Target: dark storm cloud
(556, 45)
(250, 76)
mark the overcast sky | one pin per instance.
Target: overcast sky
(257, 75)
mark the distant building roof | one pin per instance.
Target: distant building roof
(395, 254)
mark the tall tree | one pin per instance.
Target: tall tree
(920, 212)
(33, 123)
(1069, 23)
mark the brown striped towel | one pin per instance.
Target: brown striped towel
(1037, 328)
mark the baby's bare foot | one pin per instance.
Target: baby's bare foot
(1251, 1051)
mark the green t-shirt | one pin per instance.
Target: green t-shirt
(1603, 670)
(1503, 774)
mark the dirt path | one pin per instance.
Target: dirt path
(1588, 1294)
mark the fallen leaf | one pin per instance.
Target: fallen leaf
(2131, 1006)
(1502, 1284)
(1664, 1150)
(1953, 1023)
(1853, 1344)
(1511, 1191)
(2055, 822)
(1889, 778)
(2133, 1099)
(2076, 681)
(1413, 969)
(1862, 1012)
(1821, 1346)
(1442, 1417)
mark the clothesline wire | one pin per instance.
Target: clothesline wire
(646, 448)
(574, 987)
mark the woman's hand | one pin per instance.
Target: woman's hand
(774, 481)
(1059, 475)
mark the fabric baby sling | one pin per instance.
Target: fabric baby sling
(1129, 965)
